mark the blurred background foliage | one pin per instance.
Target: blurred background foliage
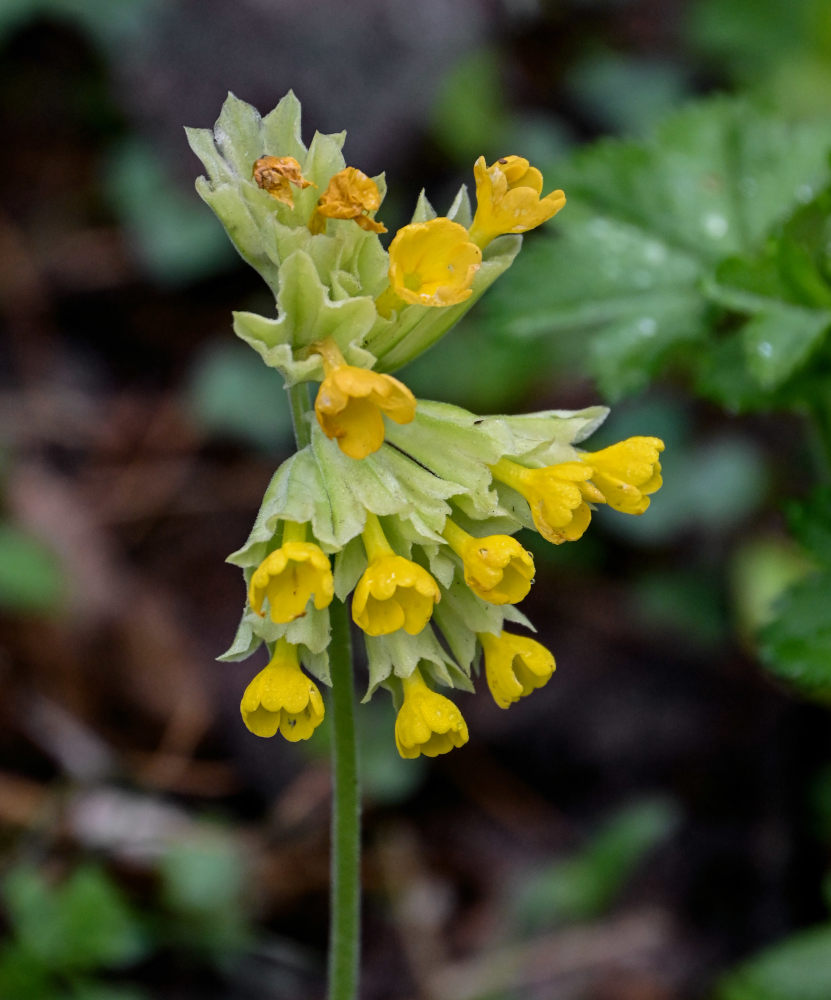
(654, 824)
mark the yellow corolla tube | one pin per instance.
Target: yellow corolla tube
(514, 666)
(508, 199)
(497, 568)
(427, 722)
(557, 495)
(290, 577)
(281, 698)
(352, 402)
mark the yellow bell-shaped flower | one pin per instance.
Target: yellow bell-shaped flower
(282, 698)
(393, 592)
(427, 722)
(508, 199)
(497, 568)
(558, 496)
(432, 264)
(514, 666)
(352, 402)
(290, 576)
(627, 472)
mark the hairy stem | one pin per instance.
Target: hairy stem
(344, 929)
(299, 403)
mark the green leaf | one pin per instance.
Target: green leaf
(585, 885)
(31, 578)
(796, 646)
(82, 924)
(811, 524)
(798, 968)
(646, 226)
(231, 392)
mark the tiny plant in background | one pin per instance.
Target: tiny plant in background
(409, 506)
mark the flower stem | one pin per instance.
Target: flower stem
(299, 403)
(344, 929)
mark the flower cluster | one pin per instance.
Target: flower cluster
(409, 506)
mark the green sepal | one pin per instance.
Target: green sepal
(245, 643)
(409, 332)
(350, 564)
(398, 654)
(546, 437)
(460, 614)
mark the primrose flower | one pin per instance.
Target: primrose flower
(433, 263)
(508, 199)
(350, 195)
(393, 592)
(557, 496)
(282, 698)
(497, 568)
(290, 576)
(514, 666)
(276, 174)
(627, 472)
(427, 722)
(352, 402)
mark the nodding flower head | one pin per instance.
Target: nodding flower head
(427, 722)
(508, 199)
(394, 593)
(352, 402)
(514, 666)
(626, 473)
(281, 698)
(497, 568)
(558, 496)
(433, 263)
(289, 577)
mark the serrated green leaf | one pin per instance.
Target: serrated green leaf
(645, 227)
(796, 646)
(798, 968)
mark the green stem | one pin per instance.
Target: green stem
(299, 403)
(345, 925)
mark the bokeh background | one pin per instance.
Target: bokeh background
(656, 816)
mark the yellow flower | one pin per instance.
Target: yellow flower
(276, 174)
(427, 722)
(556, 494)
(291, 575)
(508, 199)
(393, 592)
(350, 195)
(514, 666)
(627, 472)
(281, 697)
(433, 263)
(352, 402)
(497, 568)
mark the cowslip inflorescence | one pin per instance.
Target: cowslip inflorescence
(409, 506)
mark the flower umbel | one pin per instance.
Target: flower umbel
(393, 592)
(290, 576)
(350, 195)
(558, 496)
(497, 568)
(514, 666)
(427, 722)
(352, 402)
(282, 698)
(626, 473)
(433, 263)
(276, 174)
(508, 199)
